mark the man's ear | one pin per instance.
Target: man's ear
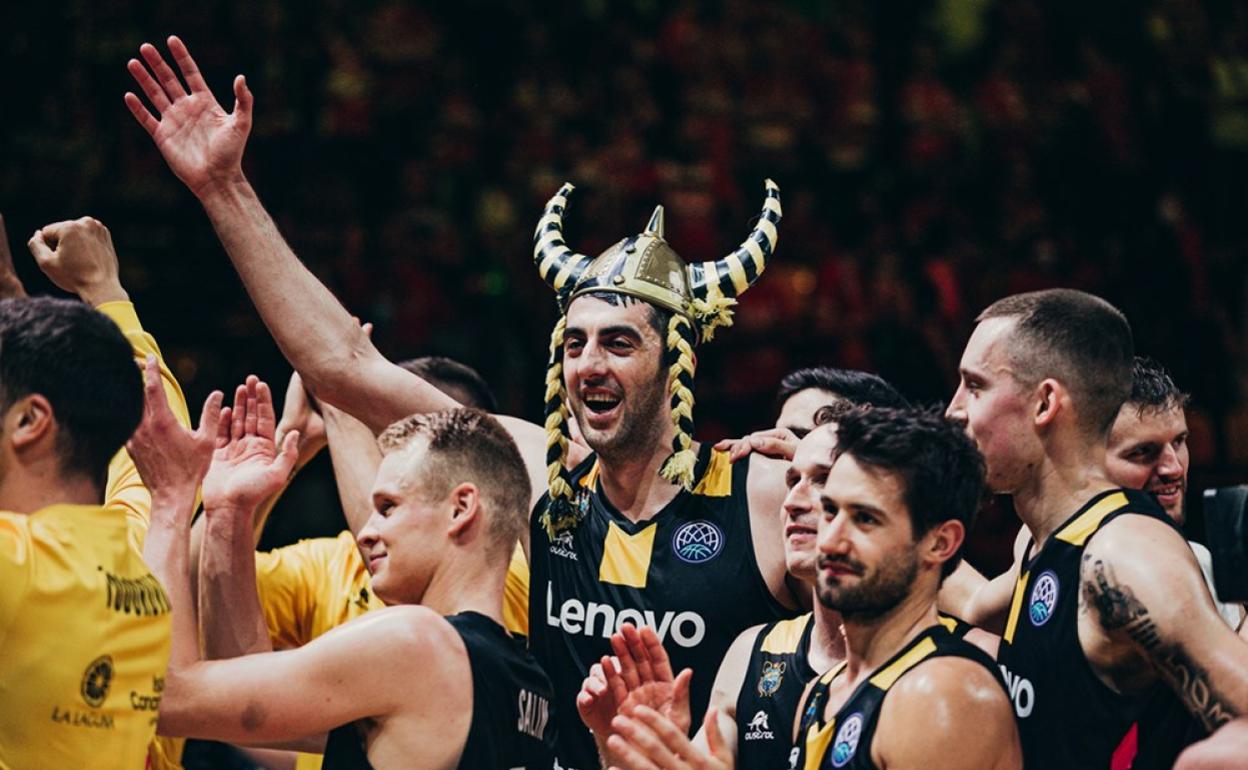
(465, 501)
(28, 421)
(1051, 397)
(943, 541)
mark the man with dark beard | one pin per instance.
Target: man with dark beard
(899, 497)
(633, 533)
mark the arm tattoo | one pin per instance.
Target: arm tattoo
(1118, 609)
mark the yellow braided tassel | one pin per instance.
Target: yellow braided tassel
(713, 312)
(559, 514)
(679, 467)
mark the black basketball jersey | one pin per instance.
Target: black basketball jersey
(844, 742)
(1067, 717)
(774, 682)
(512, 720)
(689, 572)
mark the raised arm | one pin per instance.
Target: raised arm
(78, 256)
(247, 468)
(1142, 592)
(172, 461)
(355, 456)
(203, 146)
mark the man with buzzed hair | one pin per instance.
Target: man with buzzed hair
(1110, 606)
(447, 516)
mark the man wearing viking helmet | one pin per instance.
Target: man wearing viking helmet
(651, 528)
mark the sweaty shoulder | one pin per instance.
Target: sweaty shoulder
(960, 703)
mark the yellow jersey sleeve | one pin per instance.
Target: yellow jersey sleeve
(124, 488)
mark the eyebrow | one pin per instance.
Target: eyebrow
(800, 431)
(607, 331)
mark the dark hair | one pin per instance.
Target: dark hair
(1077, 338)
(78, 360)
(850, 386)
(1152, 388)
(660, 318)
(940, 469)
(468, 445)
(459, 381)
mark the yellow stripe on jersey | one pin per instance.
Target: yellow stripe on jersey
(950, 624)
(786, 635)
(817, 741)
(1016, 606)
(590, 479)
(308, 761)
(516, 594)
(625, 557)
(1079, 530)
(885, 678)
(716, 480)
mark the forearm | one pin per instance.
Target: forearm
(167, 553)
(229, 606)
(288, 297)
(355, 456)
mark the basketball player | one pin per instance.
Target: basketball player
(1110, 604)
(894, 510)
(84, 625)
(444, 526)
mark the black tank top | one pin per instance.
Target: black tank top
(1067, 717)
(772, 690)
(844, 742)
(689, 572)
(512, 723)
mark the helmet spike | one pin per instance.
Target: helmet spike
(655, 226)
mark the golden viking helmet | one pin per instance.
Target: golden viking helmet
(700, 297)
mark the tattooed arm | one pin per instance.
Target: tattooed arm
(1144, 606)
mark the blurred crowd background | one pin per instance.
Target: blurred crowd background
(933, 155)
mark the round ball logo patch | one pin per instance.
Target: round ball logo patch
(698, 542)
(1043, 598)
(846, 742)
(95, 681)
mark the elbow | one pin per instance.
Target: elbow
(329, 375)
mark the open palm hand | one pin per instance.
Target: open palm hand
(201, 142)
(247, 465)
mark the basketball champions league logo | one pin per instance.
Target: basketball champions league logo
(698, 542)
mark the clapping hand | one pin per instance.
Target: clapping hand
(247, 466)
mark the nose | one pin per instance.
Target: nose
(593, 360)
(368, 536)
(956, 410)
(1169, 464)
(832, 539)
(797, 501)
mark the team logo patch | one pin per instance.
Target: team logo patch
(1043, 598)
(698, 542)
(846, 741)
(773, 675)
(95, 682)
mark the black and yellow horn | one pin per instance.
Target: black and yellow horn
(731, 276)
(559, 266)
